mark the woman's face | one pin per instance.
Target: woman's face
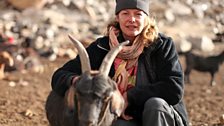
(132, 22)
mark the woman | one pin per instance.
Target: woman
(147, 71)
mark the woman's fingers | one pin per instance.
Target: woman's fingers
(123, 115)
(126, 117)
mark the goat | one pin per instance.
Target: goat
(219, 37)
(204, 64)
(94, 100)
(5, 59)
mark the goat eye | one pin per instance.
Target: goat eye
(95, 96)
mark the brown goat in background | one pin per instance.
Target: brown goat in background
(5, 59)
(94, 100)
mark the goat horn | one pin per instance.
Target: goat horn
(84, 57)
(109, 58)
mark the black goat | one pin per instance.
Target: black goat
(204, 64)
(94, 100)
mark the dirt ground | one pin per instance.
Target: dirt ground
(22, 99)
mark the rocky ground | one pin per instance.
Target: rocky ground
(23, 93)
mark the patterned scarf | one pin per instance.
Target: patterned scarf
(126, 61)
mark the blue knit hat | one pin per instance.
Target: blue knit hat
(132, 4)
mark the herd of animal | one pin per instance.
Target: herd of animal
(18, 57)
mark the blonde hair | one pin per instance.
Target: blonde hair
(148, 34)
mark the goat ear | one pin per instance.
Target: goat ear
(70, 98)
(117, 103)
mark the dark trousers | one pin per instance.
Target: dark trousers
(156, 113)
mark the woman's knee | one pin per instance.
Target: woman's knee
(157, 112)
(156, 104)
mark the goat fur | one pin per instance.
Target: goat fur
(204, 64)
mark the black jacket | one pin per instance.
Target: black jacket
(159, 74)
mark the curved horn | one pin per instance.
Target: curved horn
(84, 57)
(109, 58)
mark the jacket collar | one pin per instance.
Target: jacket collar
(103, 43)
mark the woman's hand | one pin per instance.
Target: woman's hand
(123, 115)
(74, 79)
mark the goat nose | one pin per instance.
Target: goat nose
(91, 124)
(87, 123)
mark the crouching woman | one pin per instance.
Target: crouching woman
(147, 71)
